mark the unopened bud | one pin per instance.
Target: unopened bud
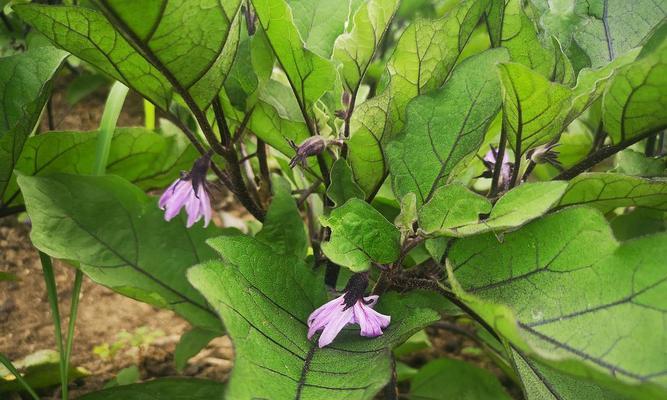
(312, 146)
(544, 154)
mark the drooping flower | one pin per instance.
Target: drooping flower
(312, 146)
(189, 191)
(350, 308)
(544, 154)
(489, 161)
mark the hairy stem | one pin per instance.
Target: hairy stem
(602, 154)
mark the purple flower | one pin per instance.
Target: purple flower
(189, 191)
(489, 161)
(350, 308)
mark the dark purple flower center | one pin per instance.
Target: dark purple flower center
(355, 289)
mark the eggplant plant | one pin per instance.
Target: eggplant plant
(499, 163)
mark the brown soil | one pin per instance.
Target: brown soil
(26, 324)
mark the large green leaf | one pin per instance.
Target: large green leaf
(609, 28)
(456, 211)
(320, 22)
(634, 102)
(25, 86)
(607, 191)
(355, 48)
(371, 124)
(163, 388)
(151, 46)
(422, 61)
(520, 37)
(536, 110)
(360, 235)
(447, 378)
(541, 382)
(445, 127)
(265, 300)
(117, 236)
(532, 107)
(309, 74)
(563, 289)
(145, 158)
(428, 50)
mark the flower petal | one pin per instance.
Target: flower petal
(334, 326)
(320, 317)
(193, 208)
(205, 205)
(370, 321)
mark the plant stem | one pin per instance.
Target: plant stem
(73, 311)
(500, 155)
(108, 125)
(263, 163)
(8, 364)
(50, 281)
(602, 154)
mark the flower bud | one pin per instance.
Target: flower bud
(544, 154)
(312, 146)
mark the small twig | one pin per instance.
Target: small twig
(308, 191)
(602, 154)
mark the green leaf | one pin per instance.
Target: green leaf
(606, 191)
(520, 38)
(634, 163)
(195, 68)
(565, 291)
(355, 48)
(371, 125)
(243, 84)
(422, 61)
(514, 209)
(265, 300)
(162, 388)
(450, 207)
(428, 50)
(25, 84)
(283, 228)
(310, 75)
(343, 187)
(446, 378)
(445, 127)
(610, 28)
(637, 223)
(191, 343)
(541, 382)
(532, 107)
(633, 102)
(191, 43)
(320, 22)
(145, 158)
(118, 237)
(360, 235)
